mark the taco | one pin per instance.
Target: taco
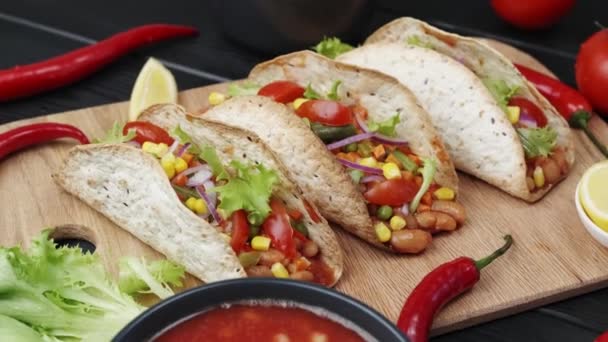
(209, 197)
(359, 144)
(494, 123)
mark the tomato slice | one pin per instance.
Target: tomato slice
(282, 91)
(393, 192)
(530, 109)
(240, 230)
(146, 131)
(327, 112)
(180, 179)
(279, 230)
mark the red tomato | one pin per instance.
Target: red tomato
(592, 70)
(282, 91)
(180, 179)
(602, 338)
(532, 14)
(312, 212)
(148, 132)
(327, 112)
(530, 109)
(240, 230)
(279, 230)
(393, 192)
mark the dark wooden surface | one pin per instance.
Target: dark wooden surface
(31, 30)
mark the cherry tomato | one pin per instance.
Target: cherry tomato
(327, 112)
(393, 192)
(180, 179)
(312, 212)
(240, 230)
(279, 230)
(602, 338)
(282, 91)
(532, 14)
(592, 70)
(530, 109)
(146, 131)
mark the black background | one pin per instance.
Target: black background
(25, 37)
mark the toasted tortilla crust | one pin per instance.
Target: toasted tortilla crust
(485, 62)
(233, 143)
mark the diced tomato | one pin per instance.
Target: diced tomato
(312, 212)
(187, 157)
(299, 236)
(240, 230)
(146, 131)
(282, 91)
(294, 214)
(180, 179)
(529, 108)
(393, 192)
(327, 112)
(279, 230)
(359, 111)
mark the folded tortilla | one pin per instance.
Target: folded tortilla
(445, 71)
(130, 188)
(312, 166)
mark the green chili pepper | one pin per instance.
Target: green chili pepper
(329, 134)
(407, 163)
(384, 212)
(185, 192)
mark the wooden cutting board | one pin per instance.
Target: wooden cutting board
(553, 256)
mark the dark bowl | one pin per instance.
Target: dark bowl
(188, 303)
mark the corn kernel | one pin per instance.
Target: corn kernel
(190, 202)
(513, 114)
(161, 150)
(180, 165)
(279, 271)
(298, 102)
(260, 243)
(397, 222)
(382, 232)
(369, 162)
(200, 207)
(149, 147)
(444, 193)
(216, 98)
(168, 164)
(539, 177)
(391, 171)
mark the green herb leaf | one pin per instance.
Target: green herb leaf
(137, 277)
(311, 94)
(386, 127)
(184, 138)
(209, 155)
(537, 141)
(501, 91)
(243, 88)
(333, 93)
(418, 41)
(332, 47)
(428, 173)
(115, 136)
(250, 190)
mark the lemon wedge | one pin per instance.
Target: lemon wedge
(155, 84)
(593, 194)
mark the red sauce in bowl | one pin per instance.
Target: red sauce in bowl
(259, 323)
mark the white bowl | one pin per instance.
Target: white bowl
(598, 233)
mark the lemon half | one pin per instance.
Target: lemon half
(593, 194)
(155, 84)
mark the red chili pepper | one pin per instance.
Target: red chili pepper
(438, 288)
(570, 104)
(24, 136)
(26, 80)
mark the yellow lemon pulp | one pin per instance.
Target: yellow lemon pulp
(155, 84)
(593, 194)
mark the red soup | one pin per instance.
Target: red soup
(259, 323)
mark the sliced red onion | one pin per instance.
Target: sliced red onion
(356, 166)
(210, 205)
(389, 141)
(527, 120)
(405, 209)
(212, 195)
(195, 169)
(182, 149)
(173, 146)
(372, 178)
(362, 124)
(349, 140)
(133, 143)
(199, 178)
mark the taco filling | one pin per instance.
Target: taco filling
(269, 238)
(403, 199)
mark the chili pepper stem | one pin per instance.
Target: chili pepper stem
(481, 263)
(596, 142)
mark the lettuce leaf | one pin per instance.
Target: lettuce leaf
(386, 127)
(332, 47)
(416, 40)
(243, 88)
(249, 189)
(184, 138)
(115, 136)
(537, 141)
(311, 94)
(333, 93)
(137, 277)
(428, 173)
(501, 91)
(209, 155)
